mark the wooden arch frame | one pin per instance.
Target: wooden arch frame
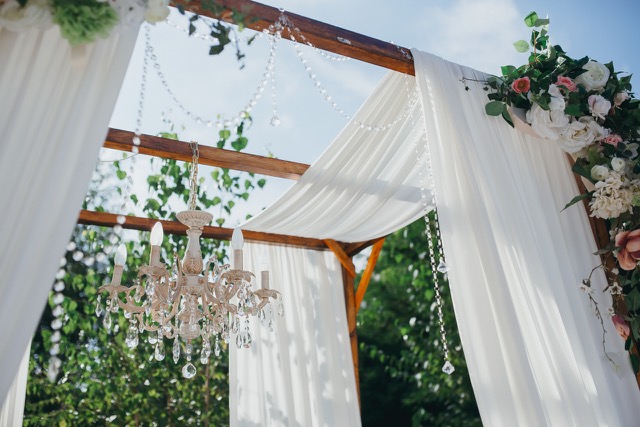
(324, 36)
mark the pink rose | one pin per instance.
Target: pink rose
(567, 83)
(619, 98)
(613, 139)
(521, 85)
(621, 326)
(629, 244)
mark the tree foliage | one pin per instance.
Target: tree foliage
(102, 380)
(401, 378)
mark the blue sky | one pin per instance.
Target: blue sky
(476, 33)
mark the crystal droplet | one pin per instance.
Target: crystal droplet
(448, 368)
(55, 337)
(189, 371)
(159, 353)
(106, 322)
(54, 368)
(247, 340)
(442, 267)
(275, 121)
(127, 314)
(58, 298)
(58, 311)
(238, 341)
(58, 287)
(216, 348)
(261, 316)
(271, 328)
(280, 309)
(120, 219)
(98, 308)
(176, 350)
(132, 337)
(54, 350)
(152, 339)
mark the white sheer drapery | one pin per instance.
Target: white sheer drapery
(12, 410)
(533, 344)
(56, 105)
(302, 373)
(366, 184)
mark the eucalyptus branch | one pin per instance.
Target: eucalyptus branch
(587, 284)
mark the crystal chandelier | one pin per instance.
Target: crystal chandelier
(193, 300)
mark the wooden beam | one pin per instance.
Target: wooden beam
(349, 300)
(177, 150)
(173, 227)
(259, 17)
(368, 272)
(355, 248)
(345, 260)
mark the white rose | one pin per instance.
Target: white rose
(595, 77)
(547, 124)
(35, 14)
(157, 11)
(599, 172)
(617, 164)
(557, 100)
(580, 134)
(598, 106)
(619, 98)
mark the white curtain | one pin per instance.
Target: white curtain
(302, 373)
(533, 344)
(366, 184)
(12, 410)
(54, 115)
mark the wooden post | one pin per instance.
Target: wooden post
(368, 272)
(350, 303)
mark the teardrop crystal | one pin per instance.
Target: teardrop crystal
(448, 368)
(442, 266)
(189, 371)
(176, 350)
(159, 353)
(106, 321)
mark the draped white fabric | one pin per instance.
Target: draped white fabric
(54, 115)
(365, 185)
(11, 411)
(302, 373)
(533, 345)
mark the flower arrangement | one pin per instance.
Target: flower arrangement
(80, 21)
(588, 109)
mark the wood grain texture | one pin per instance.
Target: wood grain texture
(349, 300)
(324, 36)
(177, 150)
(106, 219)
(368, 272)
(345, 260)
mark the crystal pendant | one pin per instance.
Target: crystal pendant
(239, 341)
(189, 371)
(280, 309)
(159, 354)
(58, 311)
(106, 321)
(55, 337)
(261, 316)
(54, 368)
(216, 348)
(247, 340)
(132, 337)
(98, 307)
(176, 350)
(442, 267)
(58, 287)
(448, 368)
(56, 324)
(275, 121)
(152, 339)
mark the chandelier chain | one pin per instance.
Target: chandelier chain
(193, 181)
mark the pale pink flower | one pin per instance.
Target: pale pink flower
(521, 85)
(619, 98)
(629, 244)
(613, 139)
(621, 326)
(599, 106)
(567, 83)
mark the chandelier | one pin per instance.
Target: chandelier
(193, 300)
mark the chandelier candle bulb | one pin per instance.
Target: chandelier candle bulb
(119, 260)
(264, 269)
(156, 238)
(237, 241)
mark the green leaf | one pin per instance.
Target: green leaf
(494, 108)
(507, 117)
(507, 70)
(240, 143)
(541, 22)
(573, 110)
(216, 49)
(121, 174)
(531, 19)
(577, 199)
(521, 46)
(261, 182)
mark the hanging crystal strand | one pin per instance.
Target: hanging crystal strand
(176, 349)
(424, 161)
(189, 370)
(273, 42)
(56, 324)
(148, 50)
